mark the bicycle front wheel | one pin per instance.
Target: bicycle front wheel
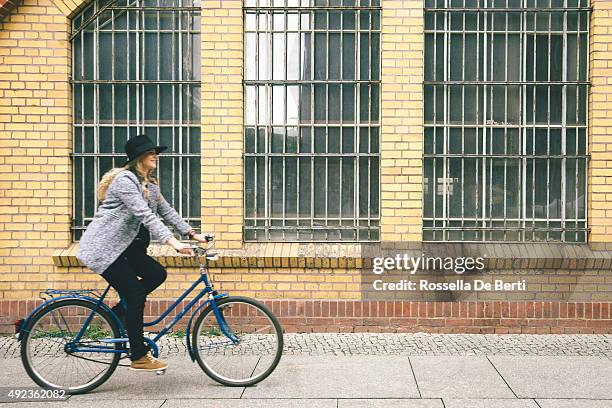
(47, 353)
(242, 346)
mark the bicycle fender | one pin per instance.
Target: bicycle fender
(188, 332)
(195, 312)
(26, 321)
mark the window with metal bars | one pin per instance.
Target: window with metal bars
(136, 69)
(312, 100)
(505, 135)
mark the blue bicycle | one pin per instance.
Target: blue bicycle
(74, 341)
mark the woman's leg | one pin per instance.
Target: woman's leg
(122, 276)
(153, 274)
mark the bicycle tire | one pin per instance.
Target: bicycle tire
(26, 356)
(222, 304)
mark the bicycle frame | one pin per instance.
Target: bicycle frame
(207, 290)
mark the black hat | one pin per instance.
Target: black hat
(138, 145)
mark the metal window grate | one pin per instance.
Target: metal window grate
(136, 69)
(311, 143)
(505, 120)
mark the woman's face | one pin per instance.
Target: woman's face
(149, 160)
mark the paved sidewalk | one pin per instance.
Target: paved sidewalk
(377, 370)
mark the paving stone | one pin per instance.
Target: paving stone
(245, 403)
(550, 377)
(574, 403)
(390, 403)
(458, 377)
(370, 377)
(490, 403)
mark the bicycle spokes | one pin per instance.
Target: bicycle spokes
(58, 358)
(239, 344)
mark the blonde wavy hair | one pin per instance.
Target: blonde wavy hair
(134, 165)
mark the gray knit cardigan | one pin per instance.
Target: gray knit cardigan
(118, 219)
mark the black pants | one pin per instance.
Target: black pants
(123, 276)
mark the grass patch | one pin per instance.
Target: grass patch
(177, 333)
(211, 332)
(94, 331)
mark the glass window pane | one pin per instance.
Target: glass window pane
(348, 56)
(348, 102)
(249, 57)
(335, 56)
(320, 56)
(293, 101)
(293, 56)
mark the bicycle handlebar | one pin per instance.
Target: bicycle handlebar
(210, 238)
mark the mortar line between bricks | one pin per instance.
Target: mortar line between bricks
(414, 376)
(502, 377)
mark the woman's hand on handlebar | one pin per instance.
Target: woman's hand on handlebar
(180, 247)
(184, 249)
(187, 248)
(207, 237)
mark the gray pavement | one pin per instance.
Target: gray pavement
(375, 370)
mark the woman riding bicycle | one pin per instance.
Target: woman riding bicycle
(115, 243)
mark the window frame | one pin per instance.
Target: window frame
(252, 86)
(436, 228)
(130, 25)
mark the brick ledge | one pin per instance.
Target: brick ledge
(340, 255)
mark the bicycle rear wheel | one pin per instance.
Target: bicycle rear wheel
(256, 347)
(45, 348)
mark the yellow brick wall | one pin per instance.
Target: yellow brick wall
(261, 283)
(292, 283)
(401, 121)
(600, 126)
(35, 142)
(36, 139)
(222, 121)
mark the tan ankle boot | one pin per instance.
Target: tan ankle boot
(148, 363)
